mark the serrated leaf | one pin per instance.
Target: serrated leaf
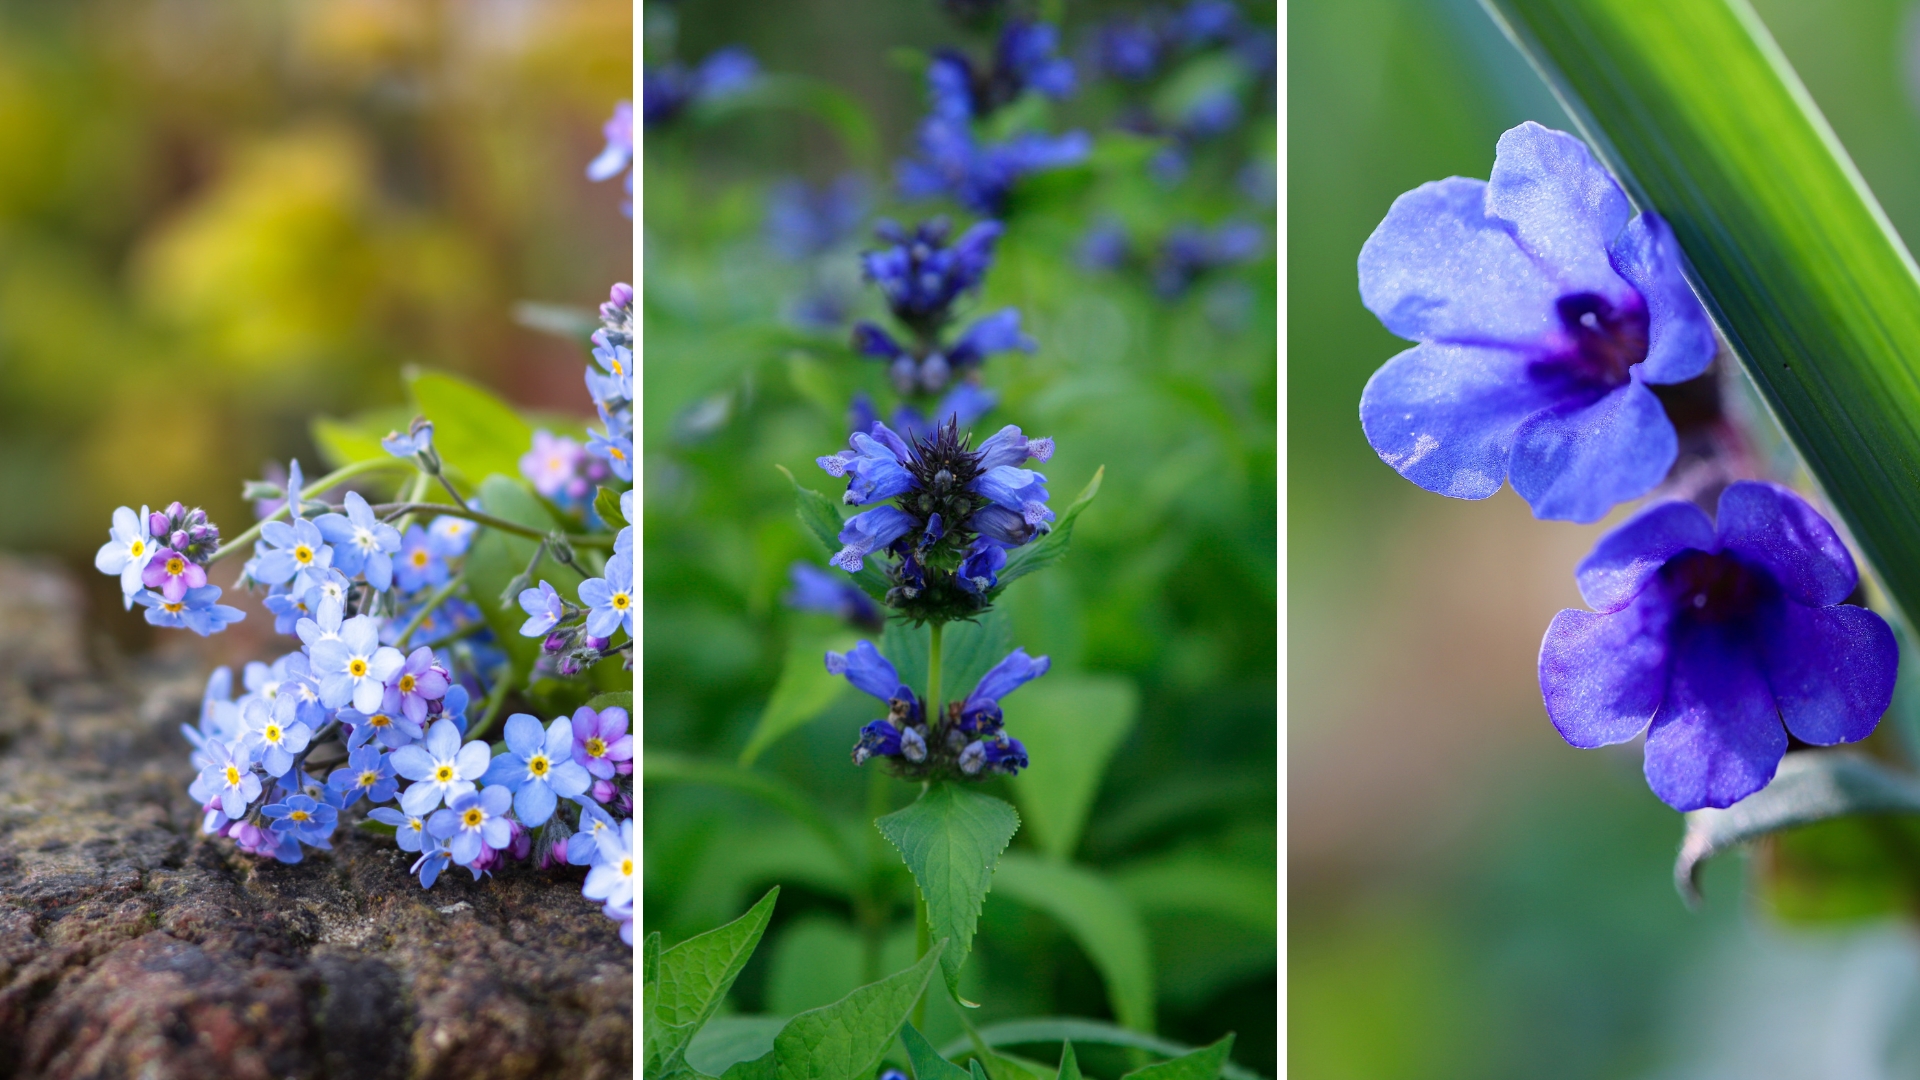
(694, 977)
(1071, 725)
(475, 432)
(606, 504)
(1810, 786)
(950, 838)
(1201, 1064)
(927, 1062)
(845, 1040)
(1102, 921)
(803, 692)
(1694, 107)
(1057, 1029)
(822, 520)
(1051, 548)
(496, 558)
(1069, 1063)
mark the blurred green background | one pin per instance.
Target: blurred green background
(1469, 897)
(1167, 599)
(218, 220)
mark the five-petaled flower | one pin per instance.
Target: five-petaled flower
(272, 741)
(367, 772)
(413, 684)
(611, 879)
(1544, 309)
(473, 822)
(173, 574)
(128, 552)
(362, 544)
(544, 609)
(441, 769)
(227, 778)
(609, 600)
(538, 768)
(1710, 636)
(601, 744)
(355, 668)
(293, 549)
(303, 818)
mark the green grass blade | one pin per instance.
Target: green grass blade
(1692, 104)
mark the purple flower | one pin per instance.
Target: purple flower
(367, 772)
(669, 89)
(473, 821)
(980, 712)
(804, 222)
(538, 768)
(920, 275)
(172, 574)
(1127, 49)
(980, 570)
(999, 753)
(981, 177)
(1709, 637)
(304, 819)
(872, 673)
(413, 685)
(1543, 311)
(553, 466)
(601, 744)
(544, 610)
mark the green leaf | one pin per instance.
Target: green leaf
(620, 698)
(822, 520)
(1103, 922)
(1069, 1063)
(950, 838)
(927, 1062)
(1071, 725)
(344, 442)
(606, 503)
(476, 433)
(1200, 882)
(694, 977)
(728, 1040)
(1058, 1029)
(803, 692)
(840, 111)
(1052, 547)
(906, 647)
(496, 558)
(1201, 1064)
(1810, 786)
(969, 650)
(659, 767)
(974, 1071)
(844, 1040)
(1694, 106)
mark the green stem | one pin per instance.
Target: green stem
(495, 701)
(331, 480)
(592, 540)
(935, 707)
(439, 597)
(980, 1048)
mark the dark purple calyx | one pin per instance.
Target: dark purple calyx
(1709, 589)
(1606, 342)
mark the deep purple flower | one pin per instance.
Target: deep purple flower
(978, 176)
(868, 671)
(601, 744)
(1710, 637)
(921, 275)
(1543, 310)
(413, 685)
(980, 712)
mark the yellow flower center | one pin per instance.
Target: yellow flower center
(626, 867)
(621, 601)
(420, 557)
(379, 720)
(137, 548)
(407, 684)
(300, 815)
(617, 369)
(616, 452)
(368, 779)
(302, 554)
(233, 776)
(174, 608)
(356, 667)
(273, 733)
(176, 566)
(596, 746)
(443, 774)
(538, 765)
(416, 824)
(473, 817)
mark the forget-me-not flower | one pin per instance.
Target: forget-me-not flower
(304, 819)
(362, 543)
(272, 742)
(196, 610)
(355, 668)
(367, 772)
(390, 729)
(1718, 639)
(544, 610)
(415, 683)
(601, 743)
(172, 574)
(1544, 309)
(408, 830)
(611, 879)
(421, 562)
(441, 769)
(128, 552)
(227, 777)
(290, 549)
(538, 768)
(472, 822)
(609, 600)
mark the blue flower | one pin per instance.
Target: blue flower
(920, 275)
(362, 543)
(453, 534)
(227, 777)
(422, 560)
(434, 858)
(304, 819)
(440, 768)
(367, 772)
(408, 832)
(980, 712)
(611, 381)
(872, 673)
(273, 741)
(1718, 639)
(473, 822)
(980, 570)
(804, 222)
(596, 825)
(1127, 49)
(953, 163)
(609, 600)
(615, 450)
(392, 729)
(416, 440)
(544, 610)
(864, 534)
(667, 90)
(538, 768)
(128, 552)
(611, 879)
(354, 668)
(815, 589)
(290, 549)
(195, 611)
(1000, 753)
(1543, 310)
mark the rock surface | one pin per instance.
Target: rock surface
(131, 946)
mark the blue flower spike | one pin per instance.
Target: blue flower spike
(1544, 309)
(1718, 638)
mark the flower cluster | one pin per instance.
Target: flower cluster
(921, 276)
(961, 739)
(580, 635)
(161, 561)
(955, 513)
(952, 161)
(1183, 256)
(1544, 309)
(668, 90)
